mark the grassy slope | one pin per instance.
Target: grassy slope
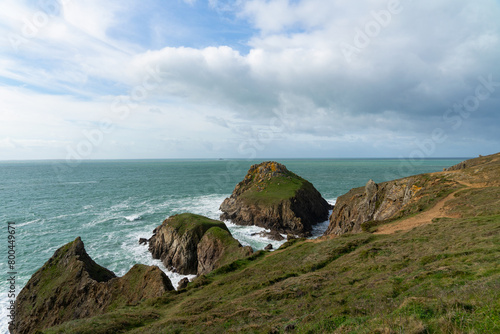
(191, 222)
(271, 190)
(439, 278)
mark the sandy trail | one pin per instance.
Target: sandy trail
(426, 217)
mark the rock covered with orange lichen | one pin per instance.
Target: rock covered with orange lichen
(372, 203)
(273, 197)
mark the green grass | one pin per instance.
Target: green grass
(196, 223)
(231, 246)
(441, 278)
(274, 190)
(434, 188)
(477, 202)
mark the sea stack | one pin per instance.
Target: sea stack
(193, 245)
(275, 198)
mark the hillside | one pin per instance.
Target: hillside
(440, 275)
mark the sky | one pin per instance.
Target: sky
(153, 79)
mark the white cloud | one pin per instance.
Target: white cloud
(426, 58)
(92, 16)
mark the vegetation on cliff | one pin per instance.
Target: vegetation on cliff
(194, 244)
(72, 286)
(440, 276)
(273, 197)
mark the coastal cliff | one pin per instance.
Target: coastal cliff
(363, 208)
(272, 197)
(373, 204)
(438, 277)
(70, 285)
(193, 245)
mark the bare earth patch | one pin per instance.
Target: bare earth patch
(426, 217)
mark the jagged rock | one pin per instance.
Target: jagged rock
(273, 235)
(192, 244)
(374, 202)
(183, 283)
(143, 241)
(70, 285)
(268, 247)
(459, 166)
(272, 197)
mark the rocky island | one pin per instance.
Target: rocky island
(275, 198)
(193, 245)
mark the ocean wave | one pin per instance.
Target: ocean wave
(41, 221)
(133, 218)
(140, 254)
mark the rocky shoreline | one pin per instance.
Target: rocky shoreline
(70, 285)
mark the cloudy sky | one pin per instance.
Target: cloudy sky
(91, 79)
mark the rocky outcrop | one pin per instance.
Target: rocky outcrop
(70, 285)
(374, 202)
(273, 235)
(183, 283)
(193, 245)
(271, 196)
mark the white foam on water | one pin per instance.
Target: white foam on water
(4, 320)
(133, 217)
(320, 228)
(127, 221)
(36, 221)
(78, 182)
(206, 205)
(249, 236)
(140, 254)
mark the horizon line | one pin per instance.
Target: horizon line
(229, 159)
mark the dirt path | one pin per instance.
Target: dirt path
(426, 217)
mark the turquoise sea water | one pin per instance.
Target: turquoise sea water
(111, 204)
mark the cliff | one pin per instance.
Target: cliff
(374, 202)
(193, 245)
(70, 285)
(365, 207)
(272, 197)
(442, 277)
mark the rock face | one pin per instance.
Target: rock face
(194, 245)
(271, 196)
(70, 285)
(374, 202)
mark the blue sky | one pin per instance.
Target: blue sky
(248, 79)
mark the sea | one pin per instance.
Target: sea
(110, 204)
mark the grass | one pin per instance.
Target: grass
(274, 190)
(196, 223)
(232, 248)
(439, 278)
(427, 280)
(271, 187)
(433, 188)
